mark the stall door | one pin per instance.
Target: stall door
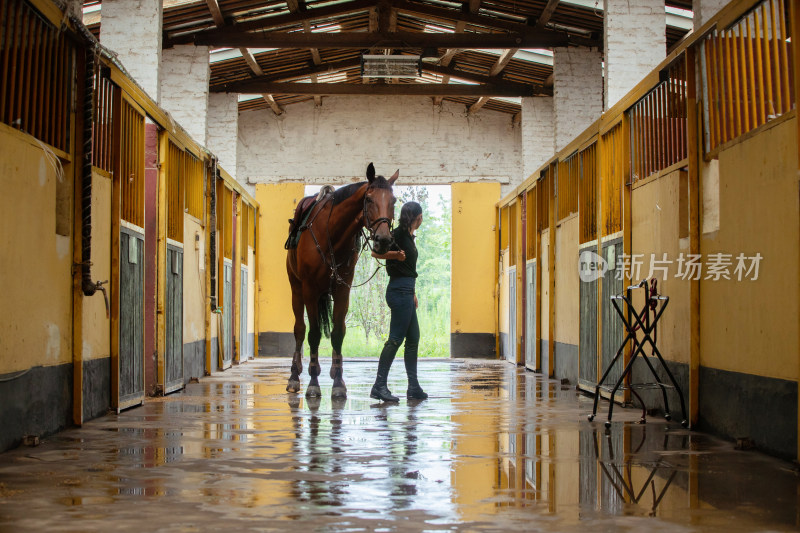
(227, 316)
(511, 353)
(245, 344)
(173, 366)
(612, 329)
(587, 348)
(530, 317)
(128, 369)
(131, 318)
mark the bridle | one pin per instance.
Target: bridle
(366, 226)
(372, 226)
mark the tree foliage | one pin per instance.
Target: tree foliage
(368, 309)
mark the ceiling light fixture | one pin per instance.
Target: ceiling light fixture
(393, 66)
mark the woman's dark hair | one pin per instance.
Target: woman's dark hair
(409, 213)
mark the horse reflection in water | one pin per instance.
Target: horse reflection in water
(338, 483)
(322, 264)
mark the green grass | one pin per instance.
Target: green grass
(434, 324)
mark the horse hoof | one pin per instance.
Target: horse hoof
(313, 391)
(339, 393)
(293, 386)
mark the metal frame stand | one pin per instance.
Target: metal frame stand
(643, 323)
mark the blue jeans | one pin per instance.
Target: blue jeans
(404, 324)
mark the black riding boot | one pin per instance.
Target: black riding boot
(414, 391)
(379, 390)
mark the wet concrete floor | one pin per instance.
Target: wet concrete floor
(495, 448)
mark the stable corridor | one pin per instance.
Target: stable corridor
(494, 448)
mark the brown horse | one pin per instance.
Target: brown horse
(322, 265)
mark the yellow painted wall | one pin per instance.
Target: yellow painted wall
(544, 264)
(472, 277)
(567, 297)
(277, 203)
(752, 326)
(655, 230)
(35, 263)
(194, 279)
(96, 326)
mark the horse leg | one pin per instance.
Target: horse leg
(314, 336)
(299, 335)
(341, 303)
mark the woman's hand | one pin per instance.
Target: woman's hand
(416, 303)
(394, 256)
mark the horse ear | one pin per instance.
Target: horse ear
(394, 176)
(370, 173)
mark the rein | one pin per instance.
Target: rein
(365, 226)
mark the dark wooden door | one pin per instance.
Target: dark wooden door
(131, 318)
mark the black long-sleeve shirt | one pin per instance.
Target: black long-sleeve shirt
(403, 240)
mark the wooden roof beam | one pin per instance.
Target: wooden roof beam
(216, 13)
(477, 105)
(538, 39)
(278, 21)
(547, 13)
(249, 85)
(397, 89)
(448, 57)
(502, 61)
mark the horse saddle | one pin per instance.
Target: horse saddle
(301, 213)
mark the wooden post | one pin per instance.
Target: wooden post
(694, 139)
(627, 229)
(208, 231)
(236, 245)
(551, 266)
(523, 277)
(116, 213)
(256, 277)
(794, 13)
(497, 269)
(75, 172)
(161, 261)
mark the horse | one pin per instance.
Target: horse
(322, 264)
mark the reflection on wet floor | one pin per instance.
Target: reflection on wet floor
(494, 448)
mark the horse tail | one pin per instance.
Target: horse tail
(325, 313)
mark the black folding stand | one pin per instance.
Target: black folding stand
(643, 323)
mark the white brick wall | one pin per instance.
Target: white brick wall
(185, 72)
(538, 133)
(705, 9)
(635, 43)
(577, 91)
(335, 142)
(222, 129)
(132, 29)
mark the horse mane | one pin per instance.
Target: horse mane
(343, 193)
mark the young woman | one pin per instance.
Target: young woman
(401, 265)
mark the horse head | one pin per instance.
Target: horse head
(379, 209)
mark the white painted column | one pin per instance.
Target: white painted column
(577, 91)
(222, 135)
(132, 29)
(185, 72)
(538, 133)
(705, 9)
(635, 37)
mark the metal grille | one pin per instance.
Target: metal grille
(38, 68)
